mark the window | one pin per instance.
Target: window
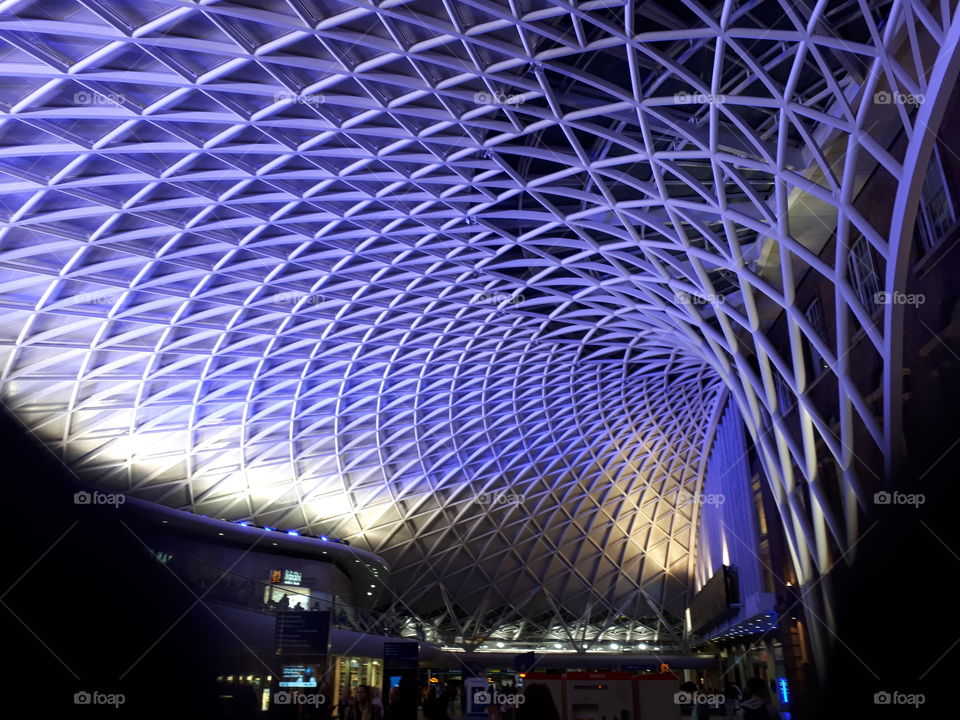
(936, 213)
(862, 273)
(785, 399)
(814, 315)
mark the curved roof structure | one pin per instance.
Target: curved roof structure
(462, 282)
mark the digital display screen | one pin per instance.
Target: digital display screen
(298, 676)
(783, 690)
(302, 633)
(286, 577)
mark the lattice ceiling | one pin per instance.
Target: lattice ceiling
(357, 268)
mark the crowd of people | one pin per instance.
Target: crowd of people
(212, 583)
(363, 703)
(733, 703)
(366, 621)
(224, 588)
(443, 702)
(436, 701)
(537, 704)
(288, 602)
(440, 703)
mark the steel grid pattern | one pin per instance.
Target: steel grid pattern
(458, 281)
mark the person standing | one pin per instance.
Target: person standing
(732, 696)
(363, 707)
(345, 706)
(392, 710)
(758, 705)
(537, 704)
(432, 704)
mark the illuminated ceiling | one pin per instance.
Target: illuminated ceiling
(460, 282)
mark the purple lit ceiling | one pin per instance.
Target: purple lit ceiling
(459, 281)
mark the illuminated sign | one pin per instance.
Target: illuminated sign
(298, 676)
(783, 691)
(302, 633)
(401, 655)
(286, 577)
(716, 600)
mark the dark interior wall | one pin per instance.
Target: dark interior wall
(895, 631)
(256, 564)
(86, 607)
(931, 329)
